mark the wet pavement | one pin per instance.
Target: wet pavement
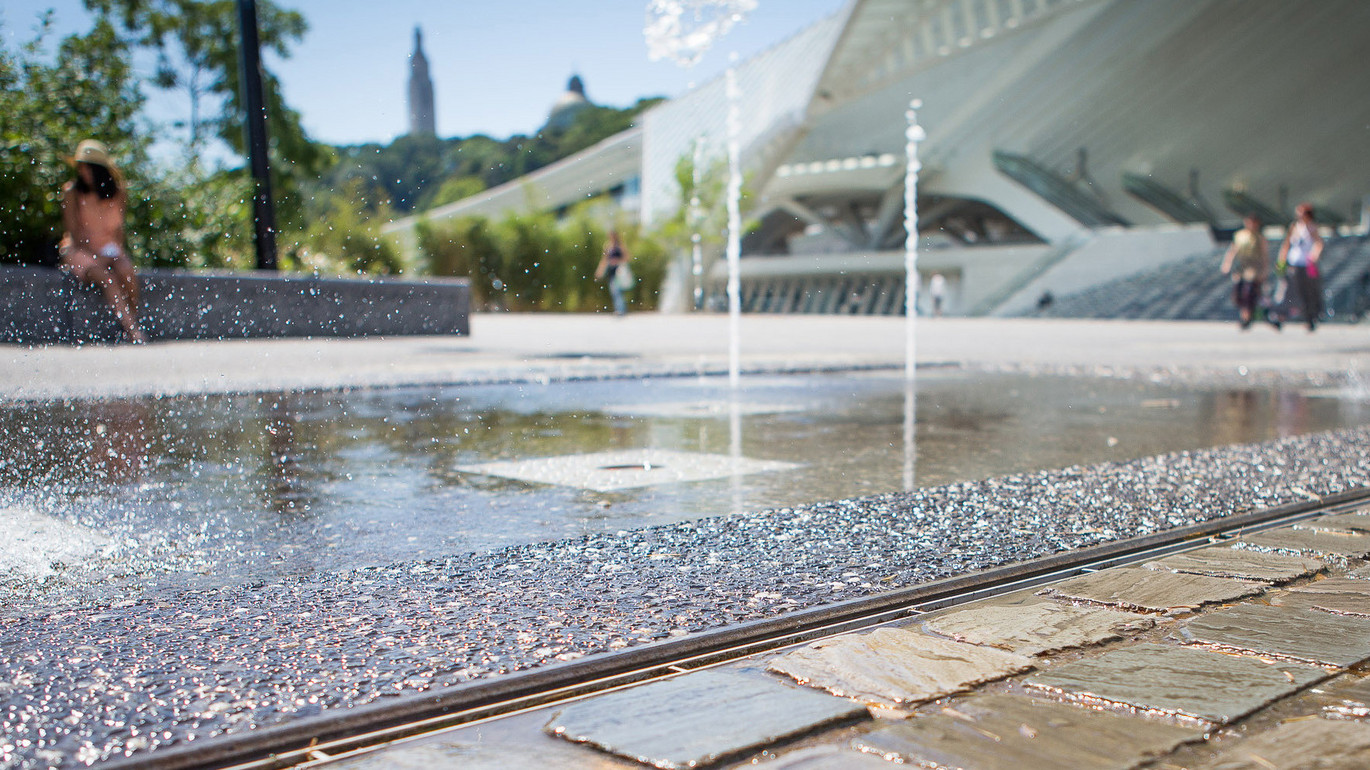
(127, 676)
(136, 496)
(110, 676)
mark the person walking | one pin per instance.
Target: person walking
(93, 208)
(937, 291)
(613, 269)
(1300, 252)
(1248, 262)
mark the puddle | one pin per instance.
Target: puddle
(226, 489)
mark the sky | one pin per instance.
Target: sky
(497, 65)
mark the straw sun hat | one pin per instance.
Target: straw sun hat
(94, 152)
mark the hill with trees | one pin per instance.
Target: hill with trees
(416, 173)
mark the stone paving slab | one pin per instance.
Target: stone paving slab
(440, 755)
(1137, 588)
(1348, 696)
(1307, 635)
(1010, 732)
(1185, 681)
(698, 718)
(1242, 564)
(826, 758)
(1362, 573)
(1347, 596)
(1311, 543)
(1034, 629)
(892, 666)
(1342, 523)
(1319, 744)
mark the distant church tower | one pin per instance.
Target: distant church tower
(421, 119)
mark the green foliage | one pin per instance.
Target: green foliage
(196, 42)
(341, 240)
(534, 262)
(464, 247)
(45, 110)
(455, 189)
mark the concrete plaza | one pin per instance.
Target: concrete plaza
(540, 347)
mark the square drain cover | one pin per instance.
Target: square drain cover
(705, 409)
(626, 468)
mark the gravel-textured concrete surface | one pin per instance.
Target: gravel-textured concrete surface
(81, 685)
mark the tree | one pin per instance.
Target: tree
(45, 110)
(204, 36)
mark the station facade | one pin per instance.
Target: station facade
(1069, 142)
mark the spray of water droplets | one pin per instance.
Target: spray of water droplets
(682, 30)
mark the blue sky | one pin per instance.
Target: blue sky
(497, 65)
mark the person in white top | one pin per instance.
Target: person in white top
(937, 290)
(1300, 252)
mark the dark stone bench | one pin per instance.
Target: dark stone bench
(43, 306)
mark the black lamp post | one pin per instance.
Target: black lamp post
(263, 215)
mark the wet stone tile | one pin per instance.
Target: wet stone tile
(467, 756)
(1307, 635)
(1306, 743)
(1361, 573)
(625, 469)
(826, 758)
(1152, 590)
(697, 718)
(1224, 562)
(1009, 732)
(1178, 680)
(1343, 523)
(1345, 596)
(1311, 543)
(892, 666)
(1037, 628)
(1346, 696)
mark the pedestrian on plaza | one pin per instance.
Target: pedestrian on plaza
(613, 269)
(1300, 252)
(93, 251)
(1248, 262)
(937, 290)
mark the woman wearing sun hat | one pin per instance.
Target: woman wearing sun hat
(93, 206)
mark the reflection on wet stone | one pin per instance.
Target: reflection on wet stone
(1345, 596)
(1037, 628)
(825, 758)
(1346, 697)
(1343, 523)
(1309, 635)
(1178, 680)
(1144, 589)
(1223, 562)
(1304, 743)
(1008, 732)
(1311, 542)
(891, 666)
(697, 718)
(442, 755)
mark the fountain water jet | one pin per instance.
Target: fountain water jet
(914, 135)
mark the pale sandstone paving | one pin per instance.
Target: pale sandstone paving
(892, 666)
